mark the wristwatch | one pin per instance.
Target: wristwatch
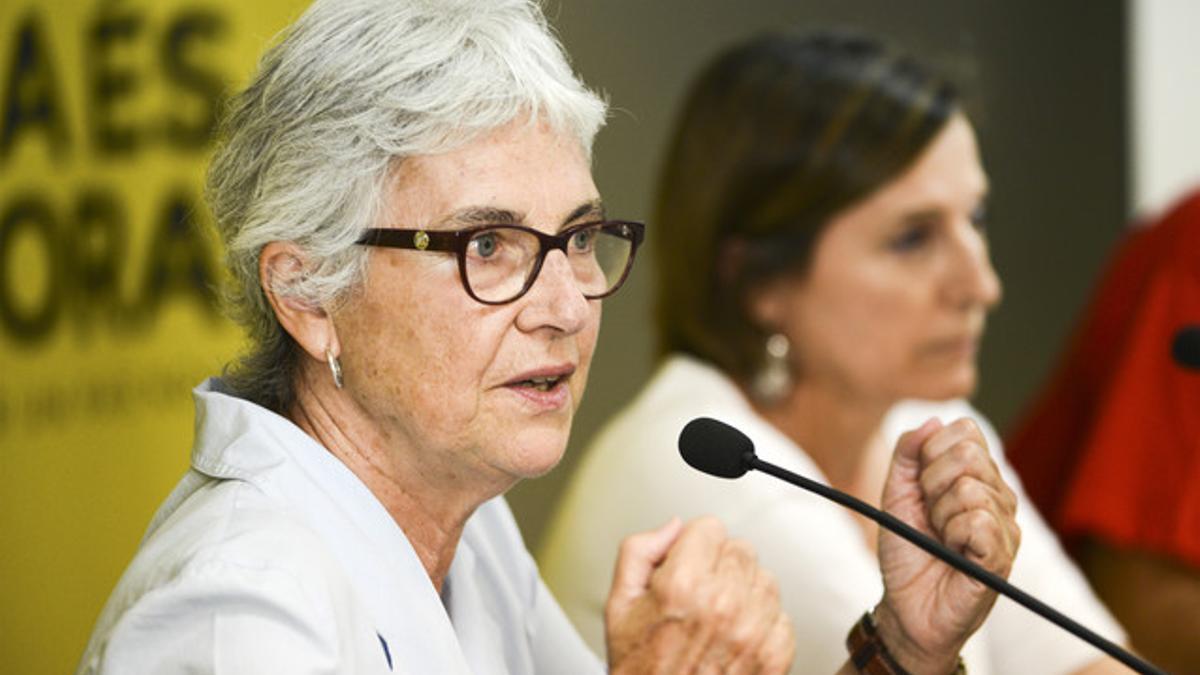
(871, 657)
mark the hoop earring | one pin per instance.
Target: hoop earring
(335, 367)
(774, 378)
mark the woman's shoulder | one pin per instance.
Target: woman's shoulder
(221, 527)
(223, 551)
(681, 389)
(631, 476)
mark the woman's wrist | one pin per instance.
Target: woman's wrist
(899, 651)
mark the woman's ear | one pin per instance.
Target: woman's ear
(767, 303)
(764, 302)
(280, 264)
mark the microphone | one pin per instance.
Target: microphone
(1186, 347)
(718, 449)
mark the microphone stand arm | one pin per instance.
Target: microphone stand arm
(957, 561)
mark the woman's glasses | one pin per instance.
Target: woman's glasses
(499, 263)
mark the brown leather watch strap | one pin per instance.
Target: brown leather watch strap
(870, 656)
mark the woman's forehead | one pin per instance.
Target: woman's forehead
(522, 174)
(948, 174)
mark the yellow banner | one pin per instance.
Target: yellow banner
(108, 314)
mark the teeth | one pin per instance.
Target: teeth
(541, 383)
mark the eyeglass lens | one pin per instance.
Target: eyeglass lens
(499, 261)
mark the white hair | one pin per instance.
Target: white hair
(351, 89)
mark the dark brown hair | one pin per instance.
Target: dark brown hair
(776, 136)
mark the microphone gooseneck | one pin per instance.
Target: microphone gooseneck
(720, 450)
(1185, 348)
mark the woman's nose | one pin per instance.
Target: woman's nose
(555, 300)
(974, 281)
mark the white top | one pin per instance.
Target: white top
(632, 478)
(270, 556)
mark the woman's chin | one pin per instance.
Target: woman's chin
(946, 386)
(538, 453)
(542, 469)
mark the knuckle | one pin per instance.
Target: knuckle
(941, 513)
(784, 628)
(964, 452)
(724, 609)
(958, 525)
(741, 550)
(710, 525)
(967, 425)
(718, 610)
(928, 450)
(969, 493)
(741, 635)
(674, 591)
(979, 520)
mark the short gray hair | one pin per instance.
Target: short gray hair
(351, 89)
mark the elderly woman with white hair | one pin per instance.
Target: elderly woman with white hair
(418, 253)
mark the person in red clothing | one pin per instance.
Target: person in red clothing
(1110, 451)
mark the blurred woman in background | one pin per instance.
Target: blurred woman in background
(823, 284)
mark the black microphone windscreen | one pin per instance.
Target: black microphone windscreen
(1186, 347)
(715, 448)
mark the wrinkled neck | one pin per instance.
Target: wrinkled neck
(430, 505)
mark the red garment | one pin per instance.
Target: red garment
(1112, 448)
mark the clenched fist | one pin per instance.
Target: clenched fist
(943, 482)
(687, 599)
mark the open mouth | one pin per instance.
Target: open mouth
(541, 383)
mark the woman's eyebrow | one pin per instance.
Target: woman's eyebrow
(490, 215)
(920, 215)
(592, 208)
(924, 214)
(483, 215)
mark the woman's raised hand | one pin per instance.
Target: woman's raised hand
(688, 599)
(943, 482)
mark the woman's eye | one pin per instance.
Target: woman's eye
(484, 245)
(582, 240)
(979, 218)
(912, 238)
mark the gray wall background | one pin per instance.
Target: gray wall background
(1047, 89)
